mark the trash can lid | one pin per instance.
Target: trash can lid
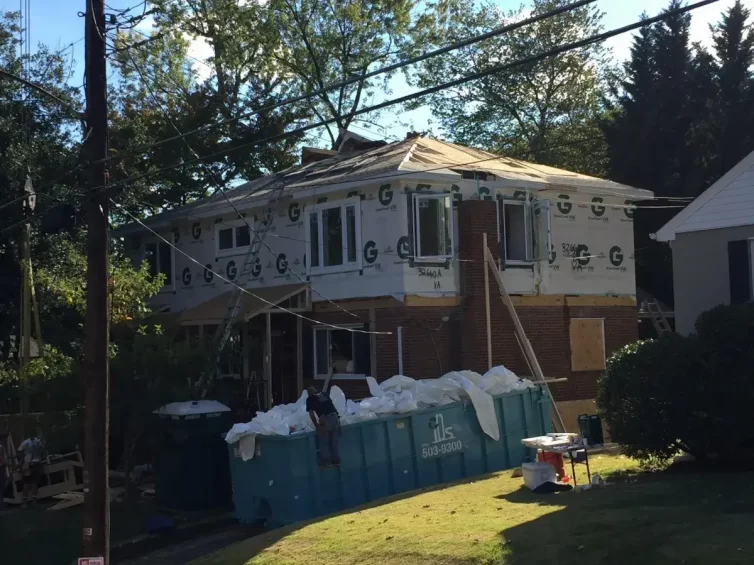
(192, 407)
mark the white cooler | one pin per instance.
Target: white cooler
(536, 474)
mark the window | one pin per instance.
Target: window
(523, 230)
(433, 226)
(335, 236)
(739, 271)
(347, 352)
(232, 238)
(159, 257)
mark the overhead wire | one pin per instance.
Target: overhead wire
(219, 186)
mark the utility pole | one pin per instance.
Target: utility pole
(96, 533)
(23, 337)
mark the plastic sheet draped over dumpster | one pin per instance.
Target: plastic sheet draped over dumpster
(397, 395)
(383, 456)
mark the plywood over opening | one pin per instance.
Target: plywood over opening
(587, 344)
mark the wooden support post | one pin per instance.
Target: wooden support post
(487, 307)
(531, 357)
(299, 357)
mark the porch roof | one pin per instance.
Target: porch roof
(213, 311)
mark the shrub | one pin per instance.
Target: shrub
(692, 393)
(644, 397)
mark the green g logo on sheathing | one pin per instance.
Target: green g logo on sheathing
(281, 264)
(294, 212)
(582, 255)
(597, 208)
(208, 273)
(256, 268)
(553, 255)
(629, 209)
(385, 195)
(403, 247)
(456, 191)
(186, 276)
(370, 252)
(616, 256)
(564, 206)
(196, 231)
(484, 193)
(231, 270)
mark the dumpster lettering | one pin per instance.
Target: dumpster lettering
(444, 441)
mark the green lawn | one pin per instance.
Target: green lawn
(663, 518)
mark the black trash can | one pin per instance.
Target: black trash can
(192, 471)
(590, 427)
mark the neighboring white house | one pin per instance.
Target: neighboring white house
(712, 241)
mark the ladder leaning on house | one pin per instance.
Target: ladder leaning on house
(234, 302)
(659, 321)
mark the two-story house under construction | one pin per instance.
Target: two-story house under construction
(372, 264)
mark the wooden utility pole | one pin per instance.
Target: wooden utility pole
(23, 337)
(96, 533)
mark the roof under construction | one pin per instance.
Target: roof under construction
(411, 157)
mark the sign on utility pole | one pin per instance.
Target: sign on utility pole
(96, 532)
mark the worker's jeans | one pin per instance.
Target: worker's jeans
(329, 438)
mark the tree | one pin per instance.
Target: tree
(655, 134)
(732, 120)
(285, 48)
(158, 93)
(681, 118)
(528, 110)
(37, 139)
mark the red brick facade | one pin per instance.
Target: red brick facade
(433, 346)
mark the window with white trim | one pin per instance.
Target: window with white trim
(523, 230)
(348, 353)
(161, 260)
(433, 227)
(334, 235)
(232, 238)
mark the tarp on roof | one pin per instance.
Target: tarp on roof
(213, 311)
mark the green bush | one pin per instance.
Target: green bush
(692, 393)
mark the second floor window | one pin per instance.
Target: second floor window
(524, 231)
(159, 257)
(231, 238)
(433, 226)
(334, 232)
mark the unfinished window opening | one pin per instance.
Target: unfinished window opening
(335, 237)
(523, 231)
(433, 226)
(159, 256)
(346, 352)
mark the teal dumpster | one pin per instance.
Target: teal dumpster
(192, 464)
(283, 484)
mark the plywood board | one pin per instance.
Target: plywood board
(587, 344)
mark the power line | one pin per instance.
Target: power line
(222, 189)
(218, 275)
(407, 98)
(41, 90)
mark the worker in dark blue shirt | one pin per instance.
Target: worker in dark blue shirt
(327, 423)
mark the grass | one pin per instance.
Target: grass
(659, 518)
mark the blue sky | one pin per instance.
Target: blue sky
(56, 23)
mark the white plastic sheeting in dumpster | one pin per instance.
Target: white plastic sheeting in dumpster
(192, 408)
(397, 395)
